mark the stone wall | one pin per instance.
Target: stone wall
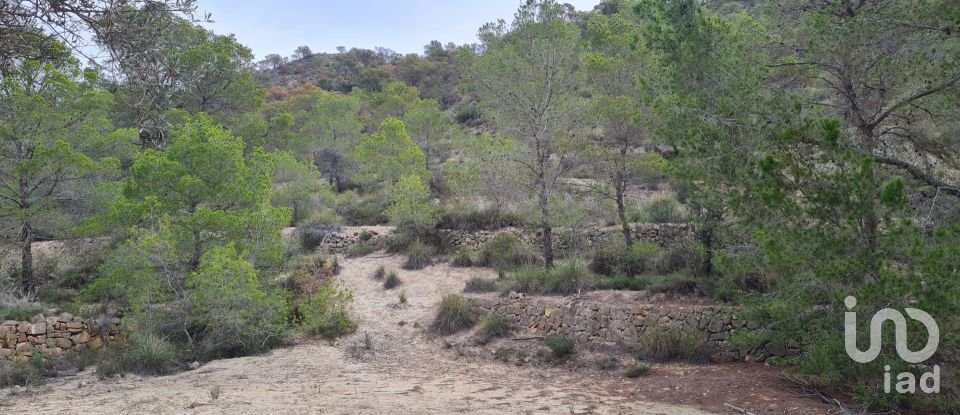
(54, 336)
(668, 234)
(603, 324)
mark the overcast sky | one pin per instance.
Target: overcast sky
(279, 26)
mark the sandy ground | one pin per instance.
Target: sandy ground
(406, 370)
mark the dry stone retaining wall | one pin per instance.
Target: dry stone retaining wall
(54, 336)
(590, 322)
(668, 234)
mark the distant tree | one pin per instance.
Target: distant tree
(272, 62)
(527, 78)
(389, 155)
(55, 137)
(336, 126)
(302, 52)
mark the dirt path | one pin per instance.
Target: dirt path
(403, 372)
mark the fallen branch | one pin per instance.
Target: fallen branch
(527, 338)
(739, 409)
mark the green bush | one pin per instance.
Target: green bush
(462, 259)
(21, 312)
(493, 326)
(472, 219)
(325, 312)
(477, 284)
(506, 251)
(569, 278)
(392, 281)
(19, 374)
(380, 273)
(560, 346)
(663, 209)
(637, 370)
(360, 250)
(456, 313)
(365, 236)
(359, 210)
(419, 256)
(232, 314)
(622, 282)
(149, 354)
(615, 258)
(528, 279)
(665, 345)
(112, 362)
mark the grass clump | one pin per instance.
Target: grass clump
(19, 374)
(560, 346)
(506, 251)
(622, 282)
(150, 354)
(418, 256)
(462, 259)
(565, 279)
(456, 313)
(664, 345)
(493, 326)
(637, 370)
(360, 250)
(392, 281)
(380, 273)
(477, 284)
(616, 258)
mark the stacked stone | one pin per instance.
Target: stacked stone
(53, 336)
(339, 243)
(624, 324)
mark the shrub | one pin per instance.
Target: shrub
(607, 363)
(313, 271)
(678, 284)
(665, 345)
(506, 251)
(113, 362)
(150, 354)
(567, 279)
(325, 312)
(663, 209)
(232, 314)
(472, 219)
(637, 370)
(641, 258)
(361, 210)
(365, 236)
(608, 258)
(528, 279)
(392, 281)
(493, 326)
(312, 235)
(360, 250)
(477, 284)
(679, 258)
(560, 346)
(456, 313)
(622, 282)
(22, 312)
(380, 273)
(19, 374)
(418, 256)
(403, 297)
(462, 259)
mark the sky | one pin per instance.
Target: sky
(405, 26)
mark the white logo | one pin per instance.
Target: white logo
(906, 381)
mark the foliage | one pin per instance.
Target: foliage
(615, 258)
(380, 273)
(456, 313)
(637, 370)
(412, 209)
(361, 249)
(560, 346)
(150, 354)
(493, 326)
(325, 311)
(233, 313)
(477, 284)
(392, 281)
(664, 344)
(418, 256)
(506, 251)
(568, 278)
(389, 156)
(462, 259)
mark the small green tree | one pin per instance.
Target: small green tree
(232, 313)
(389, 155)
(412, 208)
(55, 139)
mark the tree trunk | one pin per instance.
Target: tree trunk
(27, 282)
(624, 223)
(547, 240)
